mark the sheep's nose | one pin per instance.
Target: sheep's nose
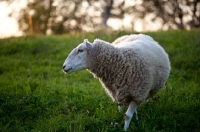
(64, 66)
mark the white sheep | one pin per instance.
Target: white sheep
(131, 69)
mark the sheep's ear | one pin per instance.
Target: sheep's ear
(89, 45)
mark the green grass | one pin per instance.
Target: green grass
(35, 95)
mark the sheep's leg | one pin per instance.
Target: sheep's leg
(120, 107)
(129, 114)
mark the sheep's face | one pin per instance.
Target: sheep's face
(77, 59)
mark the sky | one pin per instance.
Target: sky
(9, 25)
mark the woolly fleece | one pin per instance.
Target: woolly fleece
(132, 68)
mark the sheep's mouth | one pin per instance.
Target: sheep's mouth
(67, 70)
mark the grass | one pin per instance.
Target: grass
(35, 95)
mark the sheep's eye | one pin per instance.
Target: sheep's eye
(80, 50)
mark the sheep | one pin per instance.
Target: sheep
(132, 69)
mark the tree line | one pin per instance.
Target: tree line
(61, 16)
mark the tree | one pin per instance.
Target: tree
(60, 16)
(106, 13)
(180, 13)
(35, 18)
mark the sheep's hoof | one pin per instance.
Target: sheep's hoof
(125, 128)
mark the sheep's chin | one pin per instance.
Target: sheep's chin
(72, 70)
(68, 71)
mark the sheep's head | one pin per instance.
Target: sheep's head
(77, 59)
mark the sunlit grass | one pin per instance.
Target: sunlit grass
(35, 95)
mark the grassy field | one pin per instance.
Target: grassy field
(36, 96)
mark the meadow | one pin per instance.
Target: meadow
(36, 96)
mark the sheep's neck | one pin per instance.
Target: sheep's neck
(105, 63)
(107, 66)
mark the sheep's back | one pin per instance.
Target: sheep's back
(146, 47)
